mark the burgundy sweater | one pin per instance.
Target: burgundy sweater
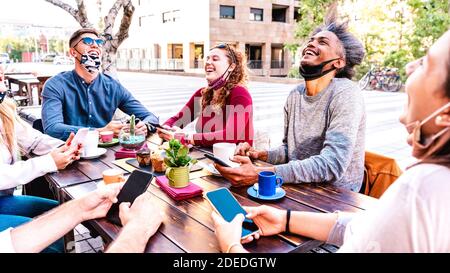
(232, 123)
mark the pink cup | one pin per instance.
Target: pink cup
(106, 136)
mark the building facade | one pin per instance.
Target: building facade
(176, 34)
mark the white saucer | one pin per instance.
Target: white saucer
(100, 152)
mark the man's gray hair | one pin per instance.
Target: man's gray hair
(353, 49)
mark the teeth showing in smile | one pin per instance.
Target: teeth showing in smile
(310, 52)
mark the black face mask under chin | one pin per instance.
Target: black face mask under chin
(312, 72)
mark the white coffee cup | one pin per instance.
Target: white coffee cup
(90, 143)
(225, 151)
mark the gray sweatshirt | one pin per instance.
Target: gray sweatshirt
(323, 136)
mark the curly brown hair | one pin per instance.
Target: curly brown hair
(238, 76)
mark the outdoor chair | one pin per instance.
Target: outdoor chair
(379, 173)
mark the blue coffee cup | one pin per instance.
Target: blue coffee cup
(268, 182)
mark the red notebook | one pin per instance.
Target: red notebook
(189, 191)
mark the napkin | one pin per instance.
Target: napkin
(191, 190)
(125, 153)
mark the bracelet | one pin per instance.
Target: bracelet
(288, 219)
(231, 246)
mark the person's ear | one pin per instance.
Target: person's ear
(73, 53)
(338, 64)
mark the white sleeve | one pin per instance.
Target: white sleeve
(22, 172)
(33, 141)
(6, 245)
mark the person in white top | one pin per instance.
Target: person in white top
(16, 139)
(412, 215)
(140, 221)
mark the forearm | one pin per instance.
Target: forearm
(325, 167)
(46, 229)
(60, 130)
(132, 239)
(22, 172)
(313, 225)
(277, 155)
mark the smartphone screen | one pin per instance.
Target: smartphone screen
(137, 183)
(227, 206)
(79, 137)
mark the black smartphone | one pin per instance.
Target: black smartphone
(137, 183)
(217, 160)
(228, 207)
(156, 125)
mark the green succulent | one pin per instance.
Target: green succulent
(177, 155)
(132, 124)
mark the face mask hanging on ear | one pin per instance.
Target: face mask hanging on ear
(221, 81)
(91, 62)
(421, 145)
(312, 72)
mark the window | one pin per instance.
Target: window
(254, 56)
(166, 17)
(256, 14)
(171, 16)
(277, 56)
(279, 13)
(226, 12)
(297, 15)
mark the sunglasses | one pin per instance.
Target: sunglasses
(90, 41)
(2, 96)
(227, 47)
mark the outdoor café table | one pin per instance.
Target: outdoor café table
(187, 224)
(29, 81)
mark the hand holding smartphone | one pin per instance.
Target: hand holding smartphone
(136, 185)
(217, 160)
(79, 137)
(228, 207)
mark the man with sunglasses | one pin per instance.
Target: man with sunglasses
(85, 97)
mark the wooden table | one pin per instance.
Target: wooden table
(28, 82)
(187, 226)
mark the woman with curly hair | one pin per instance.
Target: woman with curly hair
(223, 108)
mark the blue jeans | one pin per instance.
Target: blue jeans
(20, 209)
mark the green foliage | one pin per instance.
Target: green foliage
(398, 59)
(431, 20)
(16, 46)
(177, 155)
(294, 73)
(132, 125)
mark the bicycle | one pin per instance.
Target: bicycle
(386, 79)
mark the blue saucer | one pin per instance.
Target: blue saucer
(280, 193)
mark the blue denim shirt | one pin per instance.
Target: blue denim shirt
(69, 103)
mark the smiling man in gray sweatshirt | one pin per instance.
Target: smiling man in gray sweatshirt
(324, 119)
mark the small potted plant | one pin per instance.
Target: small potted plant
(178, 164)
(128, 138)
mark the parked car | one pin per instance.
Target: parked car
(4, 58)
(48, 57)
(63, 60)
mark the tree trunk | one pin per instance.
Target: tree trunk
(113, 41)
